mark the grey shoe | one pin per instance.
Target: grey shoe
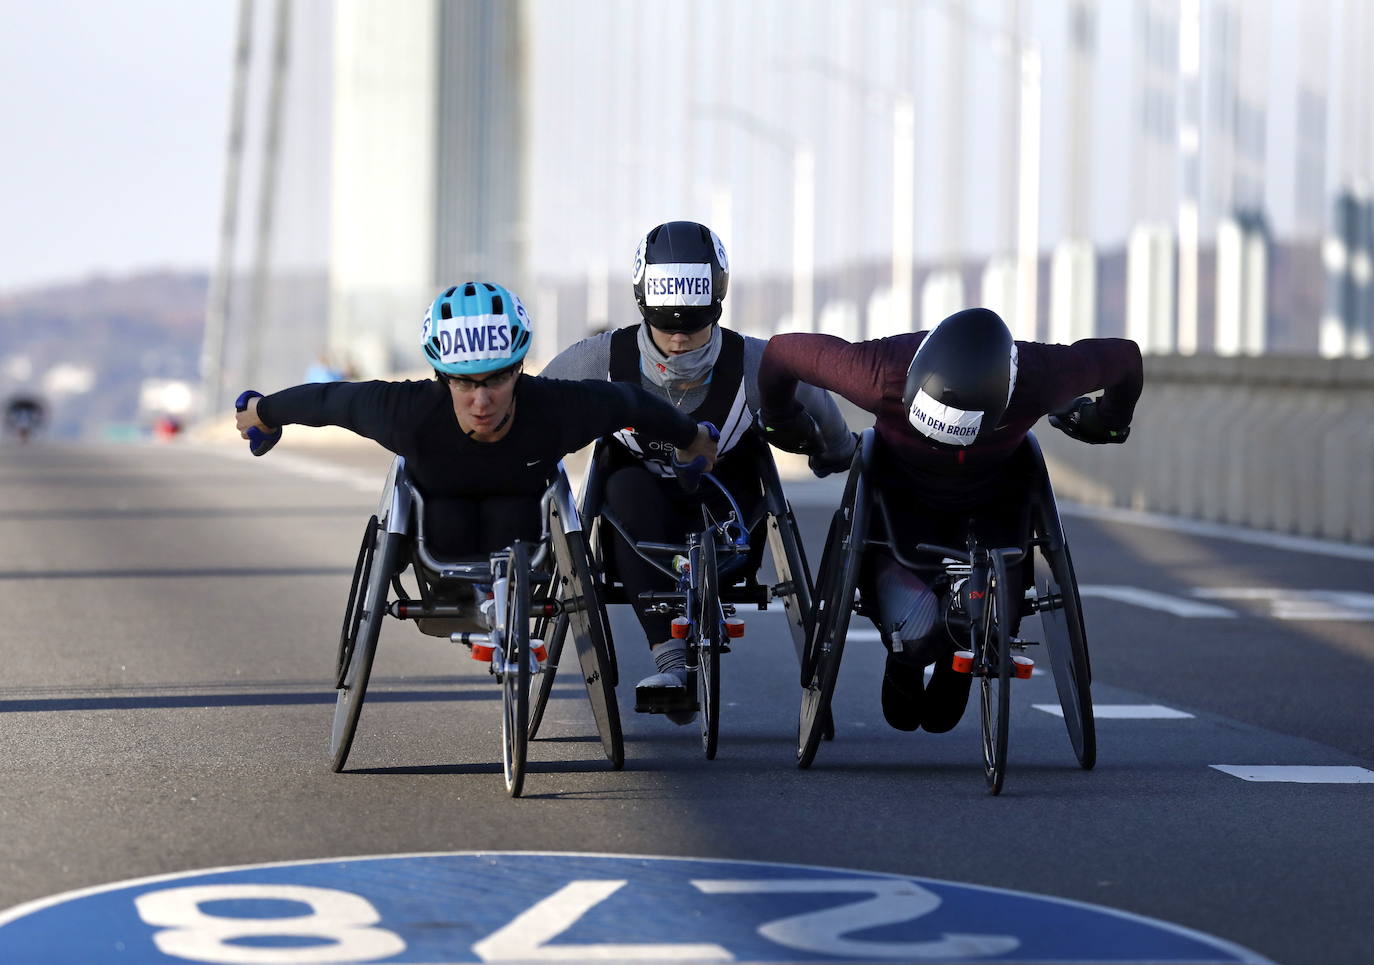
(669, 691)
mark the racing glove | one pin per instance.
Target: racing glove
(824, 464)
(795, 431)
(1083, 421)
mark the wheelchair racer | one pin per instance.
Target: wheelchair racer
(24, 416)
(952, 406)
(680, 353)
(481, 440)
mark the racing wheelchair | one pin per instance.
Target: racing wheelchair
(714, 573)
(502, 608)
(980, 597)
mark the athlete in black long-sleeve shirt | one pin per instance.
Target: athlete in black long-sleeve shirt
(481, 450)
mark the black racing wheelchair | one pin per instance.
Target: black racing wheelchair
(501, 608)
(714, 574)
(981, 598)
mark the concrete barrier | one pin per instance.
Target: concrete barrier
(1278, 443)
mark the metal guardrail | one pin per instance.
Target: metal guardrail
(1276, 443)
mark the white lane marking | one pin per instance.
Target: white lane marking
(1238, 534)
(1151, 600)
(1299, 773)
(1290, 604)
(1123, 711)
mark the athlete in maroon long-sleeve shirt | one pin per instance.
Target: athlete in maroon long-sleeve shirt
(952, 406)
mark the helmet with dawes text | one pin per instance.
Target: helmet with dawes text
(680, 276)
(474, 328)
(961, 378)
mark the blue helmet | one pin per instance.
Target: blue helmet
(475, 327)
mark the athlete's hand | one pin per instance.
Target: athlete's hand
(247, 418)
(704, 446)
(1083, 421)
(794, 431)
(825, 463)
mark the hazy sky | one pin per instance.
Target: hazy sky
(112, 135)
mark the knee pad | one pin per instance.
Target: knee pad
(909, 612)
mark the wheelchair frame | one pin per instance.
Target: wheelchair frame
(702, 599)
(532, 596)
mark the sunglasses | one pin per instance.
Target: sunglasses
(493, 381)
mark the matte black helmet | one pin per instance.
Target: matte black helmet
(680, 276)
(961, 378)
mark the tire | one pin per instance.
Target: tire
(1061, 617)
(348, 705)
(353, 612)
(835, 582)
(992, 650)
(591, 635)
(709, 634)
(515, 679)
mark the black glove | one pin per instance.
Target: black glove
(1083, 421)
(823, 464)
(795, 431)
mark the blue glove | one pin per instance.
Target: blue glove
(690, 473)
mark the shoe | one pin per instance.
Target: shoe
(668, 691)
(903, 693)
(946, 696)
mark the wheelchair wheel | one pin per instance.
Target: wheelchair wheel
(591, 636)
(710, 632)
(993, 645)
(834, 602)
(353, 612)
(515, 677)
(371, 609)
(794, 579)
(789, 556)
(1061, 616)
(553, 631)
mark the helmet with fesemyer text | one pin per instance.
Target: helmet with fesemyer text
(961, 378)
(680, 276)
(474, 328)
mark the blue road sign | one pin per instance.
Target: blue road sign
(532, 907)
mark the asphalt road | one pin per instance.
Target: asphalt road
(165, 700)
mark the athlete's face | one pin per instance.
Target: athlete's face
(482, 405)
(675, 343)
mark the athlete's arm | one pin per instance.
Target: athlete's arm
(1113, 365)
(587, 359)
(371, 409)
(853, 370)
(589, 409)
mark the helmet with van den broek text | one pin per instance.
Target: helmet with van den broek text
(961, 378)
(680, 276)
(474, 328)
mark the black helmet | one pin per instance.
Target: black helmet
(961, 378)
(680, 276)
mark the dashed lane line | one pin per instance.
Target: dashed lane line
(1134, 595)
(1298, 773)
(1123, 711)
